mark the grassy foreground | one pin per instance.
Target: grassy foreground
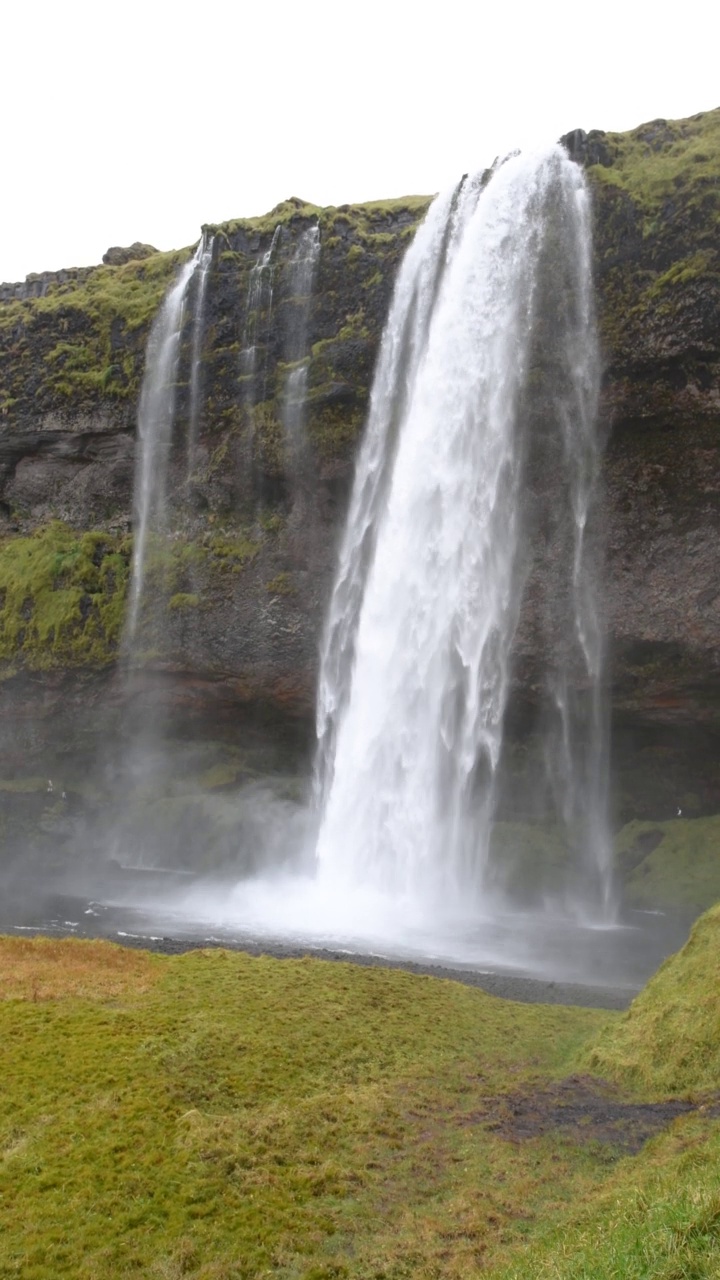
(218, 1116)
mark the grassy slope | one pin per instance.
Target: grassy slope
(659, 1216)
(670, 1037)
(214, 1115)
(670, 864)
(217, 1116)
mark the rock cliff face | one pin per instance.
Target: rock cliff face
(247, 575)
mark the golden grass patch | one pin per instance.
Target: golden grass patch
(40, 968)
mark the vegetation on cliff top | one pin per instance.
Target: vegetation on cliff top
(657, 193)
(368, 219)
(664, 161)
(222, 1117)
(79, 337)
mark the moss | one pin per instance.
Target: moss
(681, 272)
(280, 585)
(355, 326)
(657, 199)
(183, 600)
(62, 597)
(333, 428)
(664, 160)
(268, 438)
(23, 786)
(670, 864)
(233, 551)
(272, 522)
(87, 317)
(374, 280)
(171, 563)
(221, 776)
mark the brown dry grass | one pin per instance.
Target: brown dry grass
(39, 969)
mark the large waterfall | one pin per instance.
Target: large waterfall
(480, 450)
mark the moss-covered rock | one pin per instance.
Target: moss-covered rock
(83, 341)
(62, 598)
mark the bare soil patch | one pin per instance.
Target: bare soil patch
(586, 1110)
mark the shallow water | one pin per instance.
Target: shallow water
(295, 915)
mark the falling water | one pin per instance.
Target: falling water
(259, 300)
(415, 665)
(301, 281)
(155, 426)
(203, 270)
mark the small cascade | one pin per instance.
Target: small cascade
(155, 425)
(198, 332)
(301, 280)
(443, 533)
(258, 305)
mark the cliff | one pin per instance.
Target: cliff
(247, 574)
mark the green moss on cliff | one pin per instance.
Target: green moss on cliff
(657, 216)
(670, 864)
(367, 219)
(62, 598)
(85, 339)
(665, 160)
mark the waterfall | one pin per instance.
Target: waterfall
(203, 270)
(259, 299)
(440, 542)
(301, 281)
(156, 416)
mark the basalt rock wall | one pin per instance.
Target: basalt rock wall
(246, 573)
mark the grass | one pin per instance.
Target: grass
(658, 1218)
(368, 220)
(670, 864)
(656, 189)
(665, 159)
(669, 1040)
(215, 1115)
(218, 1116)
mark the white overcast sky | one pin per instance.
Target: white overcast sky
(140, 121)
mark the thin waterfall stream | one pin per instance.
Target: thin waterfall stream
(303, 267)
(156, 417)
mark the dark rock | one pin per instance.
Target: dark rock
(116, 256)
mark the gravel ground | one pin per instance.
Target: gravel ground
(506, 986)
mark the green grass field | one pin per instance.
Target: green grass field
(218, 1116)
